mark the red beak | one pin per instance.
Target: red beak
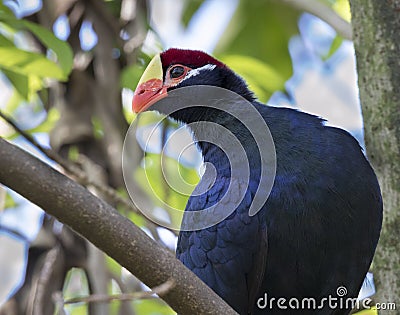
(150, 88)
(147, 93)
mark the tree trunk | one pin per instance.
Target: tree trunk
(376, 26)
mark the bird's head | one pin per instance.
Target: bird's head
(175, 68)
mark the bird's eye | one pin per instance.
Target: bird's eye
(177, 72)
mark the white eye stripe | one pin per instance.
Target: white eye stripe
(194, 72)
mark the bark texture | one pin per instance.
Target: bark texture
(376, 34)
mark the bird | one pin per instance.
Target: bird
(317, 231)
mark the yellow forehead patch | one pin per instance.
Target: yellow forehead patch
(153, 71)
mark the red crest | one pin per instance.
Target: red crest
(190, 58)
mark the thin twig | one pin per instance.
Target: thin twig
(325, 13)
(46, 281)
(67, 165)
(104, 298)
(76, 171)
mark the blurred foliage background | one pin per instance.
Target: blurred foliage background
(68, 69)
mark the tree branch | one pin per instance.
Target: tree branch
(102, 225)
(325, 13)
(82, 177)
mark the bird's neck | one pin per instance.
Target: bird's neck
(226, 147)
(223, 139)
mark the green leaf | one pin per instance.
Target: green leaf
(371, 311)
(190, 9)
(13, 103)
(76, 284)
(98, 129)
(19, 81)
(6, 10)
(114, 7)
(129, 115)
(139, 220)
(61, 48)
(342, 7)
(167, 190)
(152, 307)
(29, 63)
(113, 266)
(73, 153)
(148, 118)
(262, 30)
(25, 85)
(262, 78)
(5, 42)
(336, 43)
(48, 39)
(6, 200)
(130, 76)
(9, 202)
(53, 115)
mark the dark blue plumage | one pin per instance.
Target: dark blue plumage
(319, 227)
